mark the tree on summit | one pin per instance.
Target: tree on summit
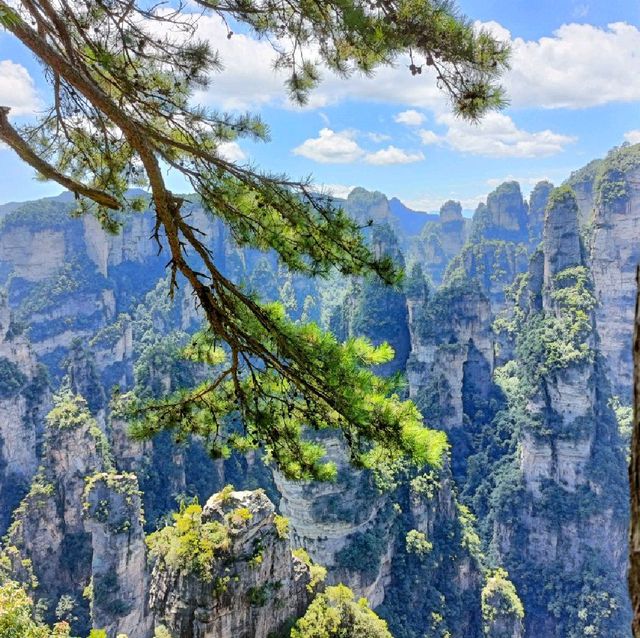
(122, 75)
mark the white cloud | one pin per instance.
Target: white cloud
(392, 85)
(392, 155)
(248, 79)
(525, 182)
(231, 151)
(341, 147)
(633, 137)
(337, 190)
(331, 147)
(579, 66)
(496, 135)
(17, 89)
(495, 29)
(410, 118)
(429, 137)
(432, 204)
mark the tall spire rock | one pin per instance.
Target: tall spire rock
(559, 511)
(119, 578)
(562, 243)
(48, 528)
(441, 240)
(615, 254)
(504, 216)
(537, 206)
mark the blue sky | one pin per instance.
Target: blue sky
(574, 89)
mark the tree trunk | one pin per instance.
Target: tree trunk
(634, 476)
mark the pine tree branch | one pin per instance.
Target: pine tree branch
(12, 138)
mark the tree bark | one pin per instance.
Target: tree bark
(634, 476)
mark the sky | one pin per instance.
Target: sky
(574, 91)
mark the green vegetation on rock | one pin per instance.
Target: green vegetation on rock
(189, 544)
(336, 614)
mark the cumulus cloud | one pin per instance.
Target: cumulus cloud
(231, 151)
(331, 147)
(17, 89)
(248, 79)
(392, 155)
(579, 66)
(429, 137)
(341, 147)
(410, 118)
(633, 137)
(496, 135)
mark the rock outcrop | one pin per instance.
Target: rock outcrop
(72, 452)
(505, 215)
(250, 586)
(327, 518)
(80, 526)
(451, 340)
(562, 243)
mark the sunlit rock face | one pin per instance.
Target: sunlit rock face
(567, 509)
(258, 596)
(615, 254)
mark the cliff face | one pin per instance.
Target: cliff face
(537, 206)
(615, 253)
(451, 344)
(503, 234)
(79, 526)
(413, 551)
(582, 182)
(505, 215)
(63, 298)
(563, 507)
(119, 577)
(24, 399)
(326, 518)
